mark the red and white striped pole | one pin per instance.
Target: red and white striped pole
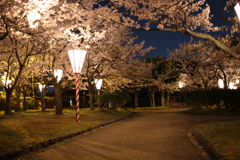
(77, 98)
(77, 59)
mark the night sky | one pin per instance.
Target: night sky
(165, 40)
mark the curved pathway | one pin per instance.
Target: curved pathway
(148, 135)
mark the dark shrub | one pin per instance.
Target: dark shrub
(115, 99)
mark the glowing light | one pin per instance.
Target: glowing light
(58, 73)
(6, 82)
(77, 58)
(41, 86)
(220, 83)
(232, 86)
(98, 83)
(180, 84)
(237, 9)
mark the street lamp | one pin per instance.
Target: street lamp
(220, 83)
(58, 74)
(98, 83)
(237, 9)
(6, 82)
(41, 86)
(232, 85)
(77, 58)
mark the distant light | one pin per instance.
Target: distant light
(41, 86)
(77, 57)
(237, 81)
(237, 9)
(232, 85)
(98, 83)
(180, 84)
(6, 82)
(220, 83)
(58, 73)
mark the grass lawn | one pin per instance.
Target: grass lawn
(223, 136)
(33, 126)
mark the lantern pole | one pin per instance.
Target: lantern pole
(77, 98)
(77, 58)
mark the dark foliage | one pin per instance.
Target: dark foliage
(221, 98)
(115, 99)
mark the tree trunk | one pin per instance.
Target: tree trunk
(17, 108)
(163, 98)
(8, 109)
(168, 100)
(24, 99)
(58, 101)
(91, 99)
(152, 98)
(24, 103)
(136, 99)
(43, 99)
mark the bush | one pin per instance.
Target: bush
(115, 99)
(230, 98)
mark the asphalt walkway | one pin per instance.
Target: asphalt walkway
(148, 135)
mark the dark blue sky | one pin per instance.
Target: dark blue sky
(165, 40)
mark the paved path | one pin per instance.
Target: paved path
(149, 135)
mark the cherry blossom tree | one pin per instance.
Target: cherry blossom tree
(16, 52)
(195, 59)
(59, 21)
(204, 64)
(190, 17)
(110, 59)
